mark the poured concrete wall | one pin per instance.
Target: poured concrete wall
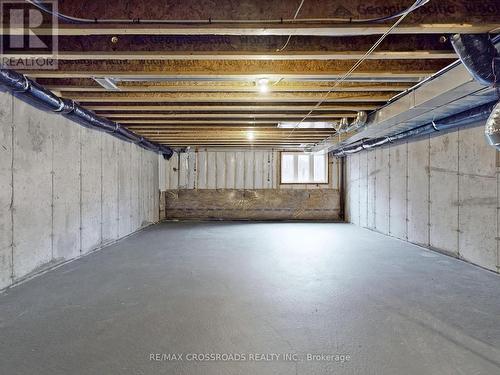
(439, 192)
(65, 190)
(242, 184)
(261, 204)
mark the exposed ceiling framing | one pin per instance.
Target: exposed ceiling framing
(194, 83)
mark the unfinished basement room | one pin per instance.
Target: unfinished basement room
(250, 187)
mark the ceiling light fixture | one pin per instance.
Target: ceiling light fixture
(250, 135)
(263, 85)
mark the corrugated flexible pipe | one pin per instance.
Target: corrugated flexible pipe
(492, 129)
(40, 97)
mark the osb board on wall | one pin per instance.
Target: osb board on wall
(261, 204)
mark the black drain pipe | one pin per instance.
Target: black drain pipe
(468, 117)
(40, 97)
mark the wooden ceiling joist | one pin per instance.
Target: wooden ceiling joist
(186, 73)
(239, 69)
(297, 28)
(215, 128)
(307, 55)
(196, 17)
(120, 117)
(216, 47)
(115, 96)
(241, 107)
(214, 86)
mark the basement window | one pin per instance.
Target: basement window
(304, 168)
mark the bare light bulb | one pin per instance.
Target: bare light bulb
(263, 84)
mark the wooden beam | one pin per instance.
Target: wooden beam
(239, 69)
(120, 117)
(117, 97)
(217, 128)
(78, 85)
(234, 141)
(225, 55)
(260, 29)
(243, 137)
(198, 122)
(450, 16)
(241, 107)
(208, 47)
(278, 132)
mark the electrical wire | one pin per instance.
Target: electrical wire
(289, 36)
(337, 82)
(39, 4)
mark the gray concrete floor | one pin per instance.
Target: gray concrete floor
(299, 288)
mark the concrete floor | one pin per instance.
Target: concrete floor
(246, 288)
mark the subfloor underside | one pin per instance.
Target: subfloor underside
(262, 296)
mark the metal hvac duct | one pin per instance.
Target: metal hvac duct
(479, 56)
(39, 96)
(461, 119)
(359, 121)
(492, 130)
